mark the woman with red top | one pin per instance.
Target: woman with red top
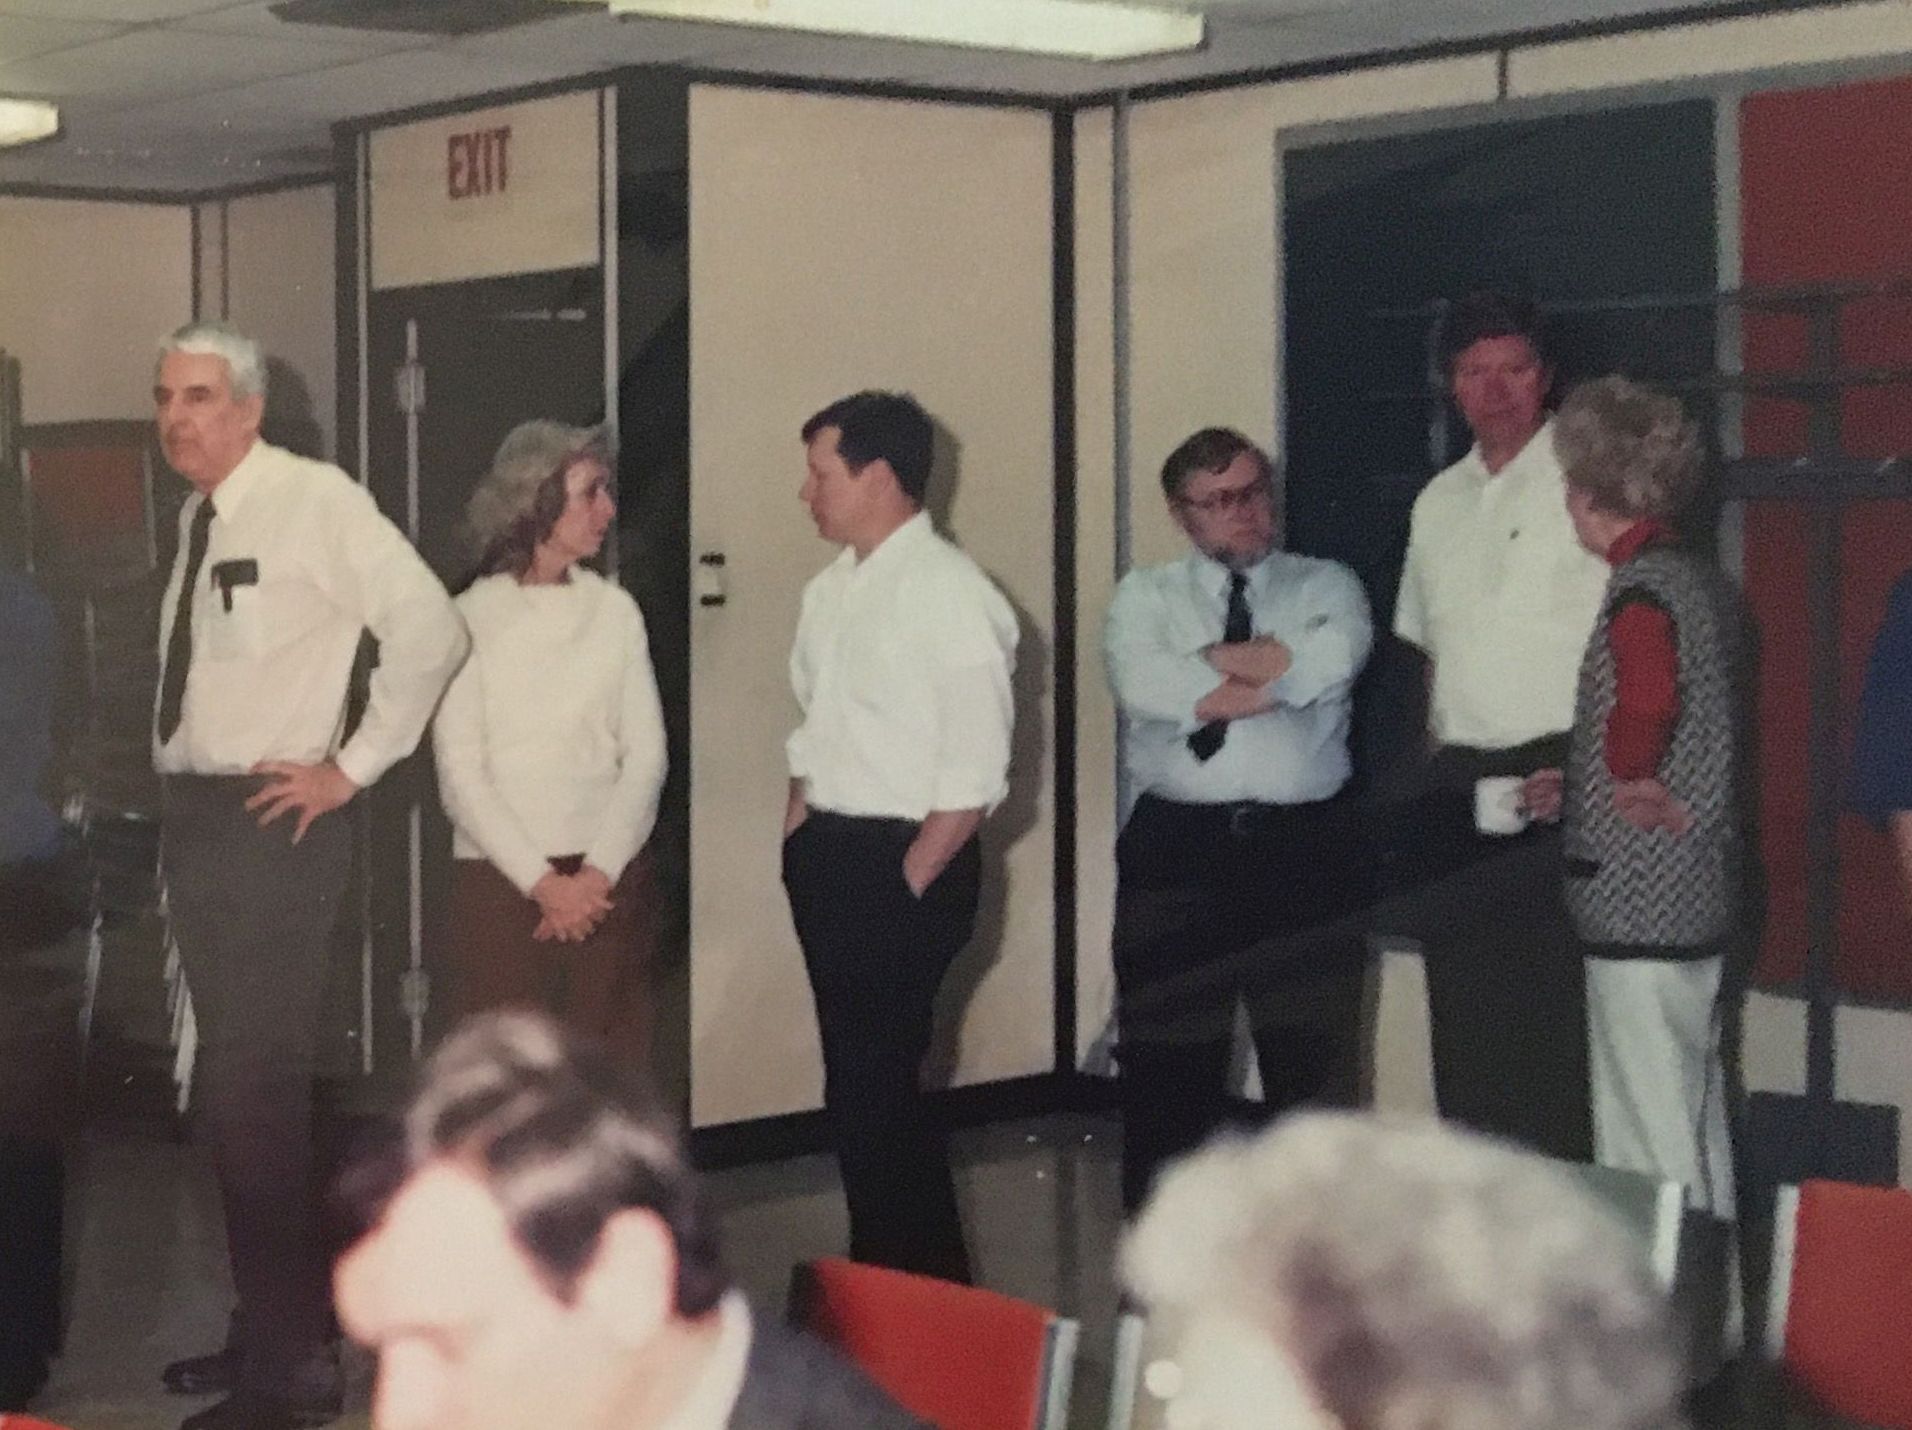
(1649, 798)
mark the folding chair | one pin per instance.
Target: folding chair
(1839, 1308)
(1652, 1207)
(958, 1356)
(1133, 1403)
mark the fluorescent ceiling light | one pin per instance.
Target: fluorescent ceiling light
(1073, 29)
(24, 120)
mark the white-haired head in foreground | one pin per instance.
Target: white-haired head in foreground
(1374, 1274)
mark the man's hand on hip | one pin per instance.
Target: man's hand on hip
(306, 790)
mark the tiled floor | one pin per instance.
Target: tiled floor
(1040, 1200)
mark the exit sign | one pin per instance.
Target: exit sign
(478, 163)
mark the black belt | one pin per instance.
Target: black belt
(1243, 818)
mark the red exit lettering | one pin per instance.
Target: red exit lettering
(478, 163)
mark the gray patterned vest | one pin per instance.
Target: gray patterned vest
(1625, 886)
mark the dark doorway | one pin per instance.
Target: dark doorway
(488, 354)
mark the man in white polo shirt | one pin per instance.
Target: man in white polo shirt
(901, 665)
(1501, 597)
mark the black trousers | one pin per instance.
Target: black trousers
(1506, 991)
(876, 955)
(1221, 906)
(254, 914)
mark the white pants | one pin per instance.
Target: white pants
(1659, 1094)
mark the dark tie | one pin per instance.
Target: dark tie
(179, 642)
(1236, 628)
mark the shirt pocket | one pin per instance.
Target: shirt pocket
(235, 625)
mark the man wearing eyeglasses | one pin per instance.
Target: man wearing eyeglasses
(1242, 873)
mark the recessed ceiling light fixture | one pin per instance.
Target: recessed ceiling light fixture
(23, 121)
(1069, 29)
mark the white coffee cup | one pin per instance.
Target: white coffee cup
(1497, 805)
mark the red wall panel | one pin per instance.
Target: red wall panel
(1826, 196)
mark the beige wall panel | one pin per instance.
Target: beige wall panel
(279, 284)
(1873, 1063)
(1826, 35)
(837, 244)
(1202, 300)
(87, 291)
(1775, 1050)
(543, 216)
(1400, 1051)
(1095, 785)
(210, 258)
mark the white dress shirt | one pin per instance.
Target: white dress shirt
(1161, 620)
(901, 666)
(550, 740)
(271, 657)
(1501, 595)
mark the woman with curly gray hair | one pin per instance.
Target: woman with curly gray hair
(550, 750)
(1352, 1272)
(1653, 827)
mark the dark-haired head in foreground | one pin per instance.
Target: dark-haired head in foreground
(535, 1252)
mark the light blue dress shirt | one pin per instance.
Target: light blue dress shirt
(1161, 620)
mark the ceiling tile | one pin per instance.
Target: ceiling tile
(255, 17)
(160, 63)
(22, 38)
(116, 151)
(350, 90)
(128, 12)
(593, 40)
(212, 92)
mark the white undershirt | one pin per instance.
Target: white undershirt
(550, 740)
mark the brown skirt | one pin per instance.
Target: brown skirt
(600, 986)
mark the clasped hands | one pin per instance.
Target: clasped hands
(1645, 804)
(571, 906)
(1248, 668)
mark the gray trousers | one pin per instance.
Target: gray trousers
(254, 914)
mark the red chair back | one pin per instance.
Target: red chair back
(959, 1357)
(1841, 1316)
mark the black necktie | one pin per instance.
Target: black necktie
(179, 642)
(1236, 628)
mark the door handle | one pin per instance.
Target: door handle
(711, 586)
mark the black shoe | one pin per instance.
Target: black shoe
(203, 1375)
(249, 1410)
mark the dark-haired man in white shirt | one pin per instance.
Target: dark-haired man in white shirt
(282, 564)
(901, 664)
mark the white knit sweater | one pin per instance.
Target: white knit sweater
(550, 740)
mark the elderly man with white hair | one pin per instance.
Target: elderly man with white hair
(283, 564)
(1355, 1272)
